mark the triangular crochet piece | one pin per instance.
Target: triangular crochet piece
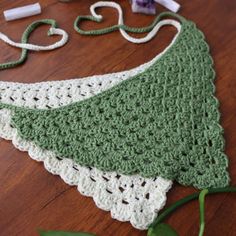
(161, 122)
(160, 119)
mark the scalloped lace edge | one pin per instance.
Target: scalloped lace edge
(91, 182)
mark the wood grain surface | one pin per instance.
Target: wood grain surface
(30, 197)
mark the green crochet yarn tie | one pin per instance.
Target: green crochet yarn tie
(110, 29)
(24, 39)
(161, 122)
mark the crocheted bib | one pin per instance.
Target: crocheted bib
(157, 121)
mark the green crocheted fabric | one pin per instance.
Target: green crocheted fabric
(161, 122)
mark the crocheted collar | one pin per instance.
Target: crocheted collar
(163, 121)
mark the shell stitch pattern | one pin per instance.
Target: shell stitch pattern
(182, 121)
(129, 198)
(143, 123)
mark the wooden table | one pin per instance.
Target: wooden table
(32, 198)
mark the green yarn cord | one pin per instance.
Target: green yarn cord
(110, 29)
(161, 122)
(35, 24)
(24, 39)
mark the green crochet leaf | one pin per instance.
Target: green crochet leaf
(162, 122)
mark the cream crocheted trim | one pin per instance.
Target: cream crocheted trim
(129, 198)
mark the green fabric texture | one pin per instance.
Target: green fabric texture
(161, 122)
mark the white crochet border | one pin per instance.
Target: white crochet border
(129, 198)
